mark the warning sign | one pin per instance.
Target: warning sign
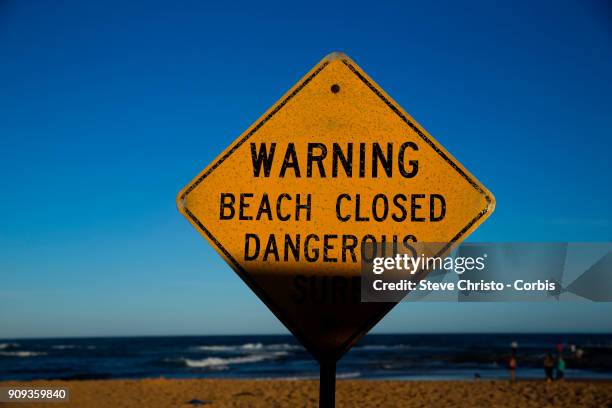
(334, 164)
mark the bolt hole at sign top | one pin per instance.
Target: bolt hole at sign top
(335, 88)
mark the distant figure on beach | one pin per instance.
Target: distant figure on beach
(560, 368)
(579, 353)
(549, 366)
(560, 348)
(512, 368)
(512, 361)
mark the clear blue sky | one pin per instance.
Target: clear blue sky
(108, 109)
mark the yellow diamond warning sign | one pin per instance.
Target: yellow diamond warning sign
(334, 164)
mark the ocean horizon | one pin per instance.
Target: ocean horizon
(377, 356)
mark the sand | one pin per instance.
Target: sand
(165, 393)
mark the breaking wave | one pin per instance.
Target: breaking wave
(249, 347)
(339, 376)
(352, 374)
(4, 346)
(22, 354)
(63, 347)
(222, 363)
(383, 347)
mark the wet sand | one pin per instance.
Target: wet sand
(153, 393)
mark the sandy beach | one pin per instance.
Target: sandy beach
(153, 393)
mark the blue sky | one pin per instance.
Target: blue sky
(108, 109)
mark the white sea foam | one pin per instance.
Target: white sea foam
(7, 345)
(252, 346)
(22, 353)
(63, 346)
(216, 348)
(249, 347)
(383, 347)
(221, 363)
(340, 376)
(352, 374)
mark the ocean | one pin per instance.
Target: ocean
(377, 356)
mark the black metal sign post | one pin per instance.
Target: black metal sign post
(327, 384)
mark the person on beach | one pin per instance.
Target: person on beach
(512, 367)
(560, 368)
(549, 366)
(512, 361)
(559, 348)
